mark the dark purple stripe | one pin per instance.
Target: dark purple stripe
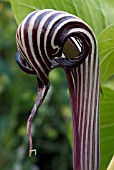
(52, 29)
(76, 137)
(27, 45)
(35, 46)
(91, 102)
(58, 39)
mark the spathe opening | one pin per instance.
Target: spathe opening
(72, 53)
(72, 47)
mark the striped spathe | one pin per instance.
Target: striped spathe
(47, 39)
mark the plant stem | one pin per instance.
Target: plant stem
(84, 97)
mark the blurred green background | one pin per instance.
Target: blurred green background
(18, 92)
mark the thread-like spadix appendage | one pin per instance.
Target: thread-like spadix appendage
(47, 39)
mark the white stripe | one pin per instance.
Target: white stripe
(22, 63)
(88, 115)
(97, 123)
(58, 28)
(81, 91)
(77, 75)
(19, 44)
(74, 85)
(22, 37)
(73, 118)
(77, 43)
(39, 31)
(89, 107)
(96, 129)
(93, 107)
(84, 109)
(23, 42)
(50, 25)
(30, 29)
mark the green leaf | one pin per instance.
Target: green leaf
(98, 13)
(106, 127)
(106, 53)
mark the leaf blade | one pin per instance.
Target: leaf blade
(106, 127)
(83, 9)
(106, 53)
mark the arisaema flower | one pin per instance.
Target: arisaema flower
(47, 39)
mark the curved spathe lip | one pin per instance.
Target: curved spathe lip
(73, 53)
(23, 64)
